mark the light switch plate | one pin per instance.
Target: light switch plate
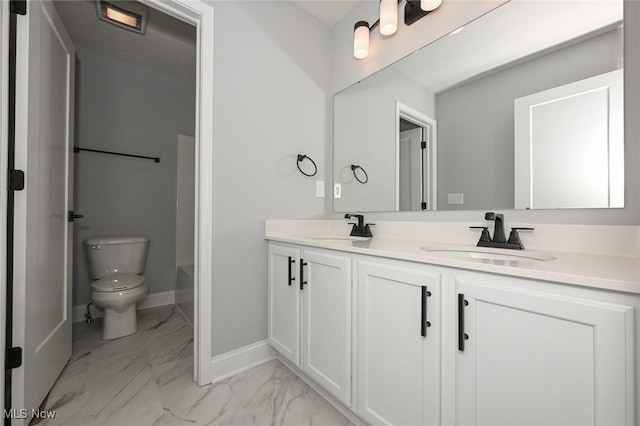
(320, 188)
(455, 198)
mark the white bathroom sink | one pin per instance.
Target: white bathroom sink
(338, 238)
(479, 254)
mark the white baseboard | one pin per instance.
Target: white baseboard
(152, 300)
(234, 362)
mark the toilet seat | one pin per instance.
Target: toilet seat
(119, 282)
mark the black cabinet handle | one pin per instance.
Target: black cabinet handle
(302, 281)
(462, 336)
(291, 262)
(423, 318)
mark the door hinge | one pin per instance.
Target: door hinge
(14, 358)
(16, 180)
(423, 145)
(19, 7)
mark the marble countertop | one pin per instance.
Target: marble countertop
(596, 270)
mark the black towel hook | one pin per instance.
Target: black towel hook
(355, 167)
(300, 159)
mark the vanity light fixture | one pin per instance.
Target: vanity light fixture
(129, 15)
(388, 21)
(361, 39)
(388, 17)
(430, 5)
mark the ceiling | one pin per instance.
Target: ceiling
(168, 45)
(328, 11)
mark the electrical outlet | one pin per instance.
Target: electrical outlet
(320, 188)
(455, 198)
(337, 191)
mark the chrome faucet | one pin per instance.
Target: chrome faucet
(499, 240)
(359, 229)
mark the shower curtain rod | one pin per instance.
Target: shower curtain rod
(78, 149)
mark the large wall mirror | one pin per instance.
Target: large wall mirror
(521, 108)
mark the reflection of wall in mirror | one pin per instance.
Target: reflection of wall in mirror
(476, 121)
(365, 134)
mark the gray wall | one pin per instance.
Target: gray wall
(475, 120)
(346, 71)
(272, 100)
(365, 134)
(127, 108)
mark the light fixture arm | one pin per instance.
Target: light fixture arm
(413, 11)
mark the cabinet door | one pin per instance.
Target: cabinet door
(398, 358)
(535, 358)
(326, 336)
(284, 302)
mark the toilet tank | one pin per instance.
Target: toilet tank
(116, 255)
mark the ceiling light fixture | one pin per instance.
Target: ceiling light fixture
(124, 14)
(388, 21)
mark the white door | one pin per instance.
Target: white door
(326, 322)
(43, 238)
(534, 358)
(412, 176)
(398, 355)
(420, 182)
(569, 145)
(284, 302)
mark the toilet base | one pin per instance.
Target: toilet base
(119, 324)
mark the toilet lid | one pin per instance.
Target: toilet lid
(118, 282)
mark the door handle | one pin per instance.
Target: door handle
(462, 336)
(72, 216)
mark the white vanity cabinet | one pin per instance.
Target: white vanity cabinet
(540, 358)
(398, 344)
(310, 314)
(436, 345)
(284, 301)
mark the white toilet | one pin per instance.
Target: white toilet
(116, 264)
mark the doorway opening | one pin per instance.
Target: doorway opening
(136, 94)
(200, 16)
(416, 165)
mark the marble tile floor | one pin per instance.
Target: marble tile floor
(147, 379)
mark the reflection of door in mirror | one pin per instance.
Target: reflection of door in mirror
(411, 167)
(416, 153)
(569, 145)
